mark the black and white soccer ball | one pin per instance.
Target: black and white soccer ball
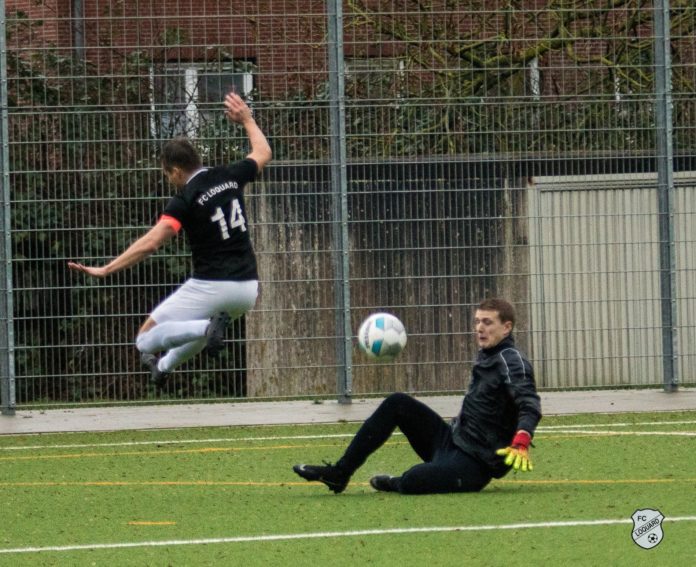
(382, 336)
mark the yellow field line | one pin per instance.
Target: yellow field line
(164, 483)
(152, 523)
(117, 483)
(599, 481)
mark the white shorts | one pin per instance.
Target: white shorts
(201, 299)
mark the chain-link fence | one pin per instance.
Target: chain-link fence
(427, 154)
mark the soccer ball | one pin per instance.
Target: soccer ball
(382, 336)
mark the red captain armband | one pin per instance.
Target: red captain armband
(521, 439)
(171, 221)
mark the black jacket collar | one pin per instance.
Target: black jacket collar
(507, 342)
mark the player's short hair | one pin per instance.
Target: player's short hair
(505, 310)
(179, 152)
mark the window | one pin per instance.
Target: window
(374, 78)
(185, 97)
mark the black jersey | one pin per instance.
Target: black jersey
(501, 399)
(210, 208)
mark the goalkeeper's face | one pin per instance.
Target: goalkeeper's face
(490, 330)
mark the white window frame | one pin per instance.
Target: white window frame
(377, 65)
(190, 73)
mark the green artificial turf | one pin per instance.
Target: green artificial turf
(212, 484)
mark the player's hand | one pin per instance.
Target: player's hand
(236, 109)
(90, 271)
(517, 454)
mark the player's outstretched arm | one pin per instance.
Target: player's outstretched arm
(238, 111)
(136, 252)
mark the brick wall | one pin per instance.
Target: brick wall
(287, 40)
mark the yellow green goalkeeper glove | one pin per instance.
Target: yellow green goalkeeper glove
(517, 454)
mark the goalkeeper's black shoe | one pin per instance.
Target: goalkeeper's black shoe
(215, 334)
(329, 474)
(157, 377)
(385, 483)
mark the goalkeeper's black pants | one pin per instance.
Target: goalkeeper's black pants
(446, 468)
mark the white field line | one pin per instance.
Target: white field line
(181, 441)
(553, 428)
(617, 433)
(624, 424)
(328, 535)
(600, 433)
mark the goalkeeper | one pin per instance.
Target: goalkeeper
(490, 436)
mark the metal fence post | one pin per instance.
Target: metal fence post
(665, 191)
(7, 378)
(339, 188)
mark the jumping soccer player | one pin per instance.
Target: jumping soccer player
(209, 206)
(491, 434)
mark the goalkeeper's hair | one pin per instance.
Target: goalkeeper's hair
(179, 152)
(505, 310)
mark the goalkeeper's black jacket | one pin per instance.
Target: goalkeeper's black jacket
(500, 400)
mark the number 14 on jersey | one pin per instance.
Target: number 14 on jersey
(236, 219)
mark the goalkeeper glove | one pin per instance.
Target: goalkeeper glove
(517, 455)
